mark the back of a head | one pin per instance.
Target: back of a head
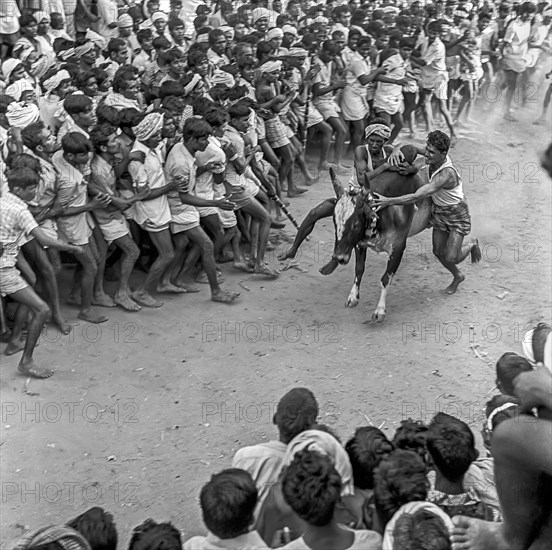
(422, 530)
(508, 367)
(400, 478)
(451, 444)
(151, 535)
(296, 412)
(312, 487)
(228, 503)
(411, 436)
(97, 527)
(366, 449)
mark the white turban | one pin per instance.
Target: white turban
(97, 39)
(379, 130)
(41, 15)
(259, 13)
(151, 124)
(270, 67)
(529, 352)
(9, 66)
(53, 82)
(276, 32)
(159, 16)
(125, 20)
(16, 89)
(222, 77)
(85, 48)
(20, 115)
(289, 29)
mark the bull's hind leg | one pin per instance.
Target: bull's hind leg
(360, 264)
(323, 210)
(393, 263)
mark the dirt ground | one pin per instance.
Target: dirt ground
(144, 408)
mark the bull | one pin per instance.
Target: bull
(358, 226)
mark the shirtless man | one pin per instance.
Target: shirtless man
(450, 216)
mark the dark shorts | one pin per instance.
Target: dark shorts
(9, 39)
(451, 218)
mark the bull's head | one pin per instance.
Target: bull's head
(354, 219)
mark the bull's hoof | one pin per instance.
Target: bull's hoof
(378, 316)
(352, 301)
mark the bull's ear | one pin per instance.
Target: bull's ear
(338, 188)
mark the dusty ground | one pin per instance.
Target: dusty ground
(144, 408)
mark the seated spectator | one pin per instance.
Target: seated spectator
(228, 502)
(276, 514)
(366, 449)
(296, 412)
(507, 368)
(97, 527)
(155, 536)
(312, 487)
(53, 537)
(537, 345)
(451, 444)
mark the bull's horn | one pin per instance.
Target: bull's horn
(338, 188)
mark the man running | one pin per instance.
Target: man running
(450, 216)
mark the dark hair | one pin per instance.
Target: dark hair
(400, 478)
(195, 128)
(76, 143)
(75, 104)
(175, 22)
(451, 444)
(23, 160)
(171, 88)
(144, 34)
(340, 10)
(22, 177)
(296, 412)
(435, 26)
(508, 367)
(538, 341)
(173, 54)
(407, 43)
(330, 46)
(82, 78)
(312, 487)
(108, 114)
(366, 449)
(30, 135)
(364, 40)
(411, 436)
(497, 401)
(130, 117)
(214, 35)
(422, 530)
(161, 42)
(263, 49)
(97, 527)
(228, 502)
(122, 76)
(439, 140)
(100, 134)
(196, 57)
(115, 44)
(216, 117)
(155, 536)
(27, 19)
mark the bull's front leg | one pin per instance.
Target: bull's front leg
(393, 263)
(360, 264)
(323, 210)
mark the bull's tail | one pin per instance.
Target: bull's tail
(475, 253)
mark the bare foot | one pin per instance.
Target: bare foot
(263, 269)
(62, 326)
(90, 316)
(289, 253)
(243, 266)
(453, 287)
(145, 299)
(73, 300)
(224, 297)
(14, 346)
(310, 180)
(453, 140)
(32, 369)
(330, 267)
(169, 288)
(126, 302)
(103, 300)
(295, 192)
(476, 534)
(188, 287)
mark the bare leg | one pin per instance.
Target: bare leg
(29, 298)
(340, 130)
(300, 160)
(100, 297)
(325, 142)
(129, 257)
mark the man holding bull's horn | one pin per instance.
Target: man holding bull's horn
(450, 216)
